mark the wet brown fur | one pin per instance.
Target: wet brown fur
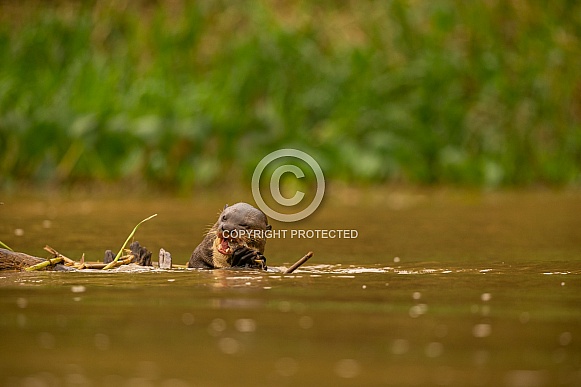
(206, 254)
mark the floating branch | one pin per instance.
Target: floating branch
(299, 263)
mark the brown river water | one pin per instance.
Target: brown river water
(443, 288)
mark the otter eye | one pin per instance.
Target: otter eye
(223, 218)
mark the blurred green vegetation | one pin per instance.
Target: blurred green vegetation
(484, 93)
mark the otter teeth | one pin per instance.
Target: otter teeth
(224, 246)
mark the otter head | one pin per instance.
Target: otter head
(240, 225)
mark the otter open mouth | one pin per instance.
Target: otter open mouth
(226, 246)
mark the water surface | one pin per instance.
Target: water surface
(452, 289)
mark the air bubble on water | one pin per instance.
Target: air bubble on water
(565, 338)
(418, 310)
(229, 345)
(434, 349)
(46, 223)
(21, 302)
(482, 330)
(284, 306)
(217, 326)
(78, 289)
(396, 259)
(364, 287)
(347, 368)
(188, 318)
(485, 297)
(417, 295)
(18, 232)
(306, 322)
(245, 325)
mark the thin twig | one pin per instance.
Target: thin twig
(125, 260)
(299, 263)
(4, 245)
(56, 254)
(42, 265)
(112, 264)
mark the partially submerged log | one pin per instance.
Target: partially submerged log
(13, 260)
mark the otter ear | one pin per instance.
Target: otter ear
(268, 227)
(226, 206)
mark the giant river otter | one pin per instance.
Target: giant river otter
(237, 239)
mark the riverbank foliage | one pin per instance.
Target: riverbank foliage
(482, 93)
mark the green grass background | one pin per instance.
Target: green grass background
(186, 94)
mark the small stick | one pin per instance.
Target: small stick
(124, 260)
(4, 245)
(42, 265)
(93, 265)
(56, 254)
(299, 263)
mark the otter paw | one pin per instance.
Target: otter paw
(246, 257)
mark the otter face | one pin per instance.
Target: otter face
(241, 225)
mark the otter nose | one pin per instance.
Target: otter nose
(227, 227)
